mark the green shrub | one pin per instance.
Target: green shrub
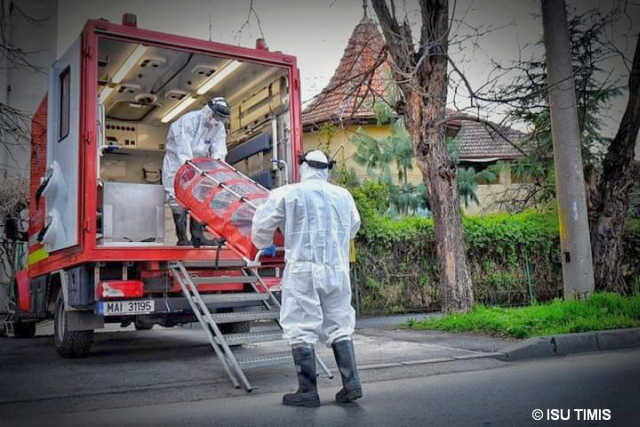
(506, 254)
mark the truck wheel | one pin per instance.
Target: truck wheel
(141, 325)
(24, 330)
(69, 343)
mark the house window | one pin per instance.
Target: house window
(65, 104)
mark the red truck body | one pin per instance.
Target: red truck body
(133, 80)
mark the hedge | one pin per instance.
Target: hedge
(512, 258)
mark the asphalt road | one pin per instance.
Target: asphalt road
(128, 368)
(502, 394)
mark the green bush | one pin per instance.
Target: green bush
(507, 254)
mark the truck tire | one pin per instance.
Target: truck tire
(69, 343)
(141, 325)
(24, 330)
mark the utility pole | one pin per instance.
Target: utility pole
(577, 265)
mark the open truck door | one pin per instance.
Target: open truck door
(60, 187)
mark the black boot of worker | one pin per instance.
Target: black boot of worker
(180, 219)
(304, 358)
(197, 233)
(346, 361)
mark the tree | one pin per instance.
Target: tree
(468, 180)
(616, 180)
(609, 181)
(377, 155)
(528, 104)
(421, 75)
(15, 135)
(14, 197)
(15, 125)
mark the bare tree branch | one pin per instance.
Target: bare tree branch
(247, 23)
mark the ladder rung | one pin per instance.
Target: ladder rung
(271, 359)
(245, 316)
(253, 337)
(222, 280)
(212, 263)
(229, 297)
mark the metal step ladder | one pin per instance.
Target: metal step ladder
(220, 343)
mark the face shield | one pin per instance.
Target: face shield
(219, 109)
(315, 165)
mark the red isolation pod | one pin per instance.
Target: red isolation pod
(223, 199)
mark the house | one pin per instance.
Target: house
(349, 102)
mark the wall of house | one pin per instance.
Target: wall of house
(492, 197)
(342, 138)
(488, 195)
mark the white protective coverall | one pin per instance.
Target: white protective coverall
(317, 219)
(195, 134)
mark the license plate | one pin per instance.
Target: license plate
(119, 308)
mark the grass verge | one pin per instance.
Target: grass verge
(601, 311)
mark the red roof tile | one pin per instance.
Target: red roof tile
(356, 85)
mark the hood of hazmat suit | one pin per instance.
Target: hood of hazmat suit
(317, 220)
(195, 134)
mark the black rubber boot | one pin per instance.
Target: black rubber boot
(180, 219)
(346, 361)
(304, 358)
(197, 233)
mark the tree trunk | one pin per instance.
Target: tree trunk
(422, 78)
(612, 202)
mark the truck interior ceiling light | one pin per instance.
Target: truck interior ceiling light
(105, 93)
(178, 109)
(121, 73)
(131, 61)
(216, 78)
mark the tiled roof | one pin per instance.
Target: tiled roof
(479, 141)
(353, 81)
(342, 99)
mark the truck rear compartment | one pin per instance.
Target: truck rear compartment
(142, 89)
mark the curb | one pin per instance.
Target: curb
(496, 355)
(561, 345)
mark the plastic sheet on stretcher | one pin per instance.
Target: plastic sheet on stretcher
(223, 199)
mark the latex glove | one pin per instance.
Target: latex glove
(270, 251)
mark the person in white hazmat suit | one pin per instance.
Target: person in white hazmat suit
(199, 133)
(317, 220)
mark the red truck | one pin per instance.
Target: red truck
(100, 236)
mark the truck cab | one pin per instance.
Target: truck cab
(101, 232)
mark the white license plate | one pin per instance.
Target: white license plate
(119, 308)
